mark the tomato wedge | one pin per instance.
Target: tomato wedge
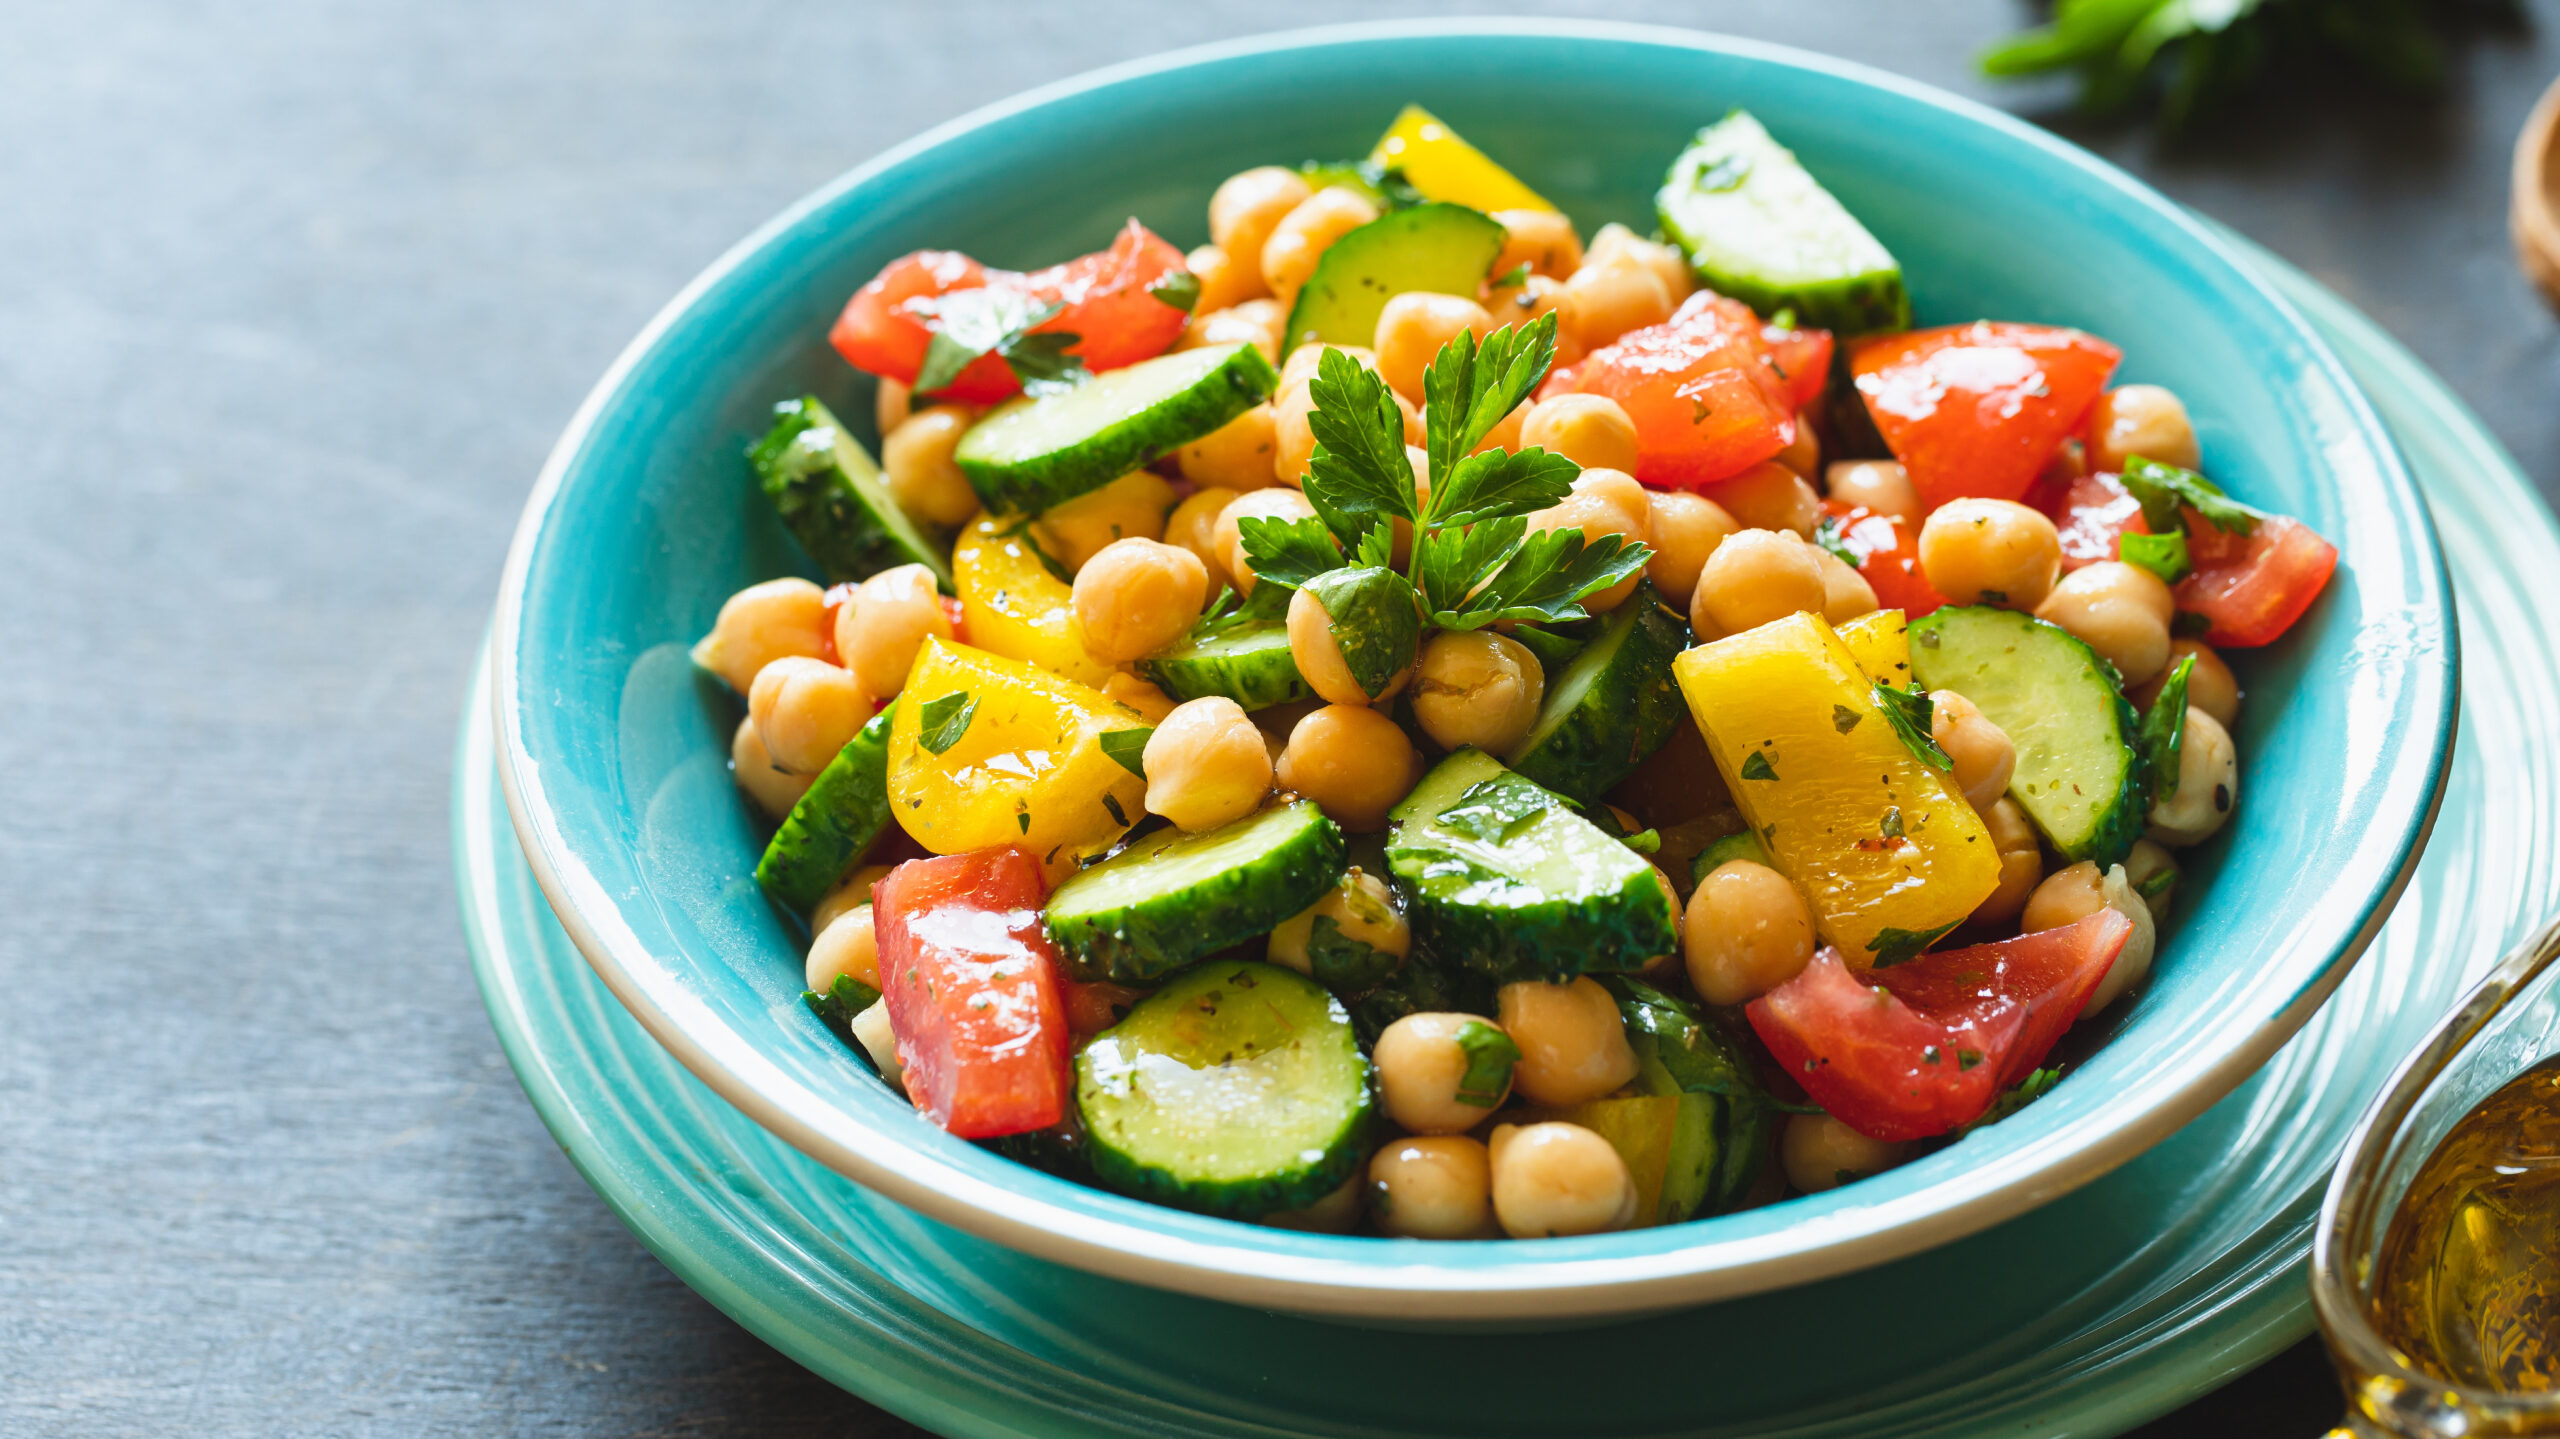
(1978, 409)
(974, 993)
(1888, 551)
(2094, 513)
(2250, 589)
(888, 324)
(1802, 359)
(1707, 402)
(1929, 1044)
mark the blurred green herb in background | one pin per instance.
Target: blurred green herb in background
(2196, 55)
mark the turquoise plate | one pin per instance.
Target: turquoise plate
(612, 746)
(2099, 1311)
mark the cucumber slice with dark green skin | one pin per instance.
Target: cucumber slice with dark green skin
(832, 827)
(1030, 453)
(1443, 248)
(1504, 878)
(1755, 225)
(832, 498)
(1722, 1131)
(1237, 1089)
(1610, 708)
(2078, 776)
(1745, 845)
(1173, 897)
(1249, 664)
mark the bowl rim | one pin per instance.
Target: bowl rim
(1278, 1269)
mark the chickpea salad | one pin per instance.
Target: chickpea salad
(1408, 718)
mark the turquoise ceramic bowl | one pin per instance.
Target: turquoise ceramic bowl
(613, 750)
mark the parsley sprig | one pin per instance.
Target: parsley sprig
(1474, 560)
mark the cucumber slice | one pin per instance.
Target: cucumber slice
(1757, 227)
(1249, 664)
(1030, 453)
(1445, 249)
(1611, 707)
(2078, 776)
(1237, 1089)
(833, 825)
(1725, 1115)
(1505, 879)
(1173, 897)
(1745, 845)
(831, 497)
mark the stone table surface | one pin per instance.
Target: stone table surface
(293, 298)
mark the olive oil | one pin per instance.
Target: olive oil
(2469, 1278)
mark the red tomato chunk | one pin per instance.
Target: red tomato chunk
(1924, 1047)
(1706, 399)
(2094, 515)
(2251, 589)
(1977, 410)
(1888, 551)
(974, 993)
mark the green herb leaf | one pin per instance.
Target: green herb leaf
(1468, 389)
(1359, 474)
(1896, 946)
(944, 720)
(1544, 579)
(1494, 810)
(1452, 563)
(1377, 547)
(1042, 364)
(1343, 964)
(1831, 537)
(1287, 552)
(1178, 288)
(844, 999)
(2016, 1097)
(1758, 767)
(2166, 491)
(2163, 555)
(1643, 841)
(1910, 712)
(1376, 622)
(1490, 1056)
(1554, 651)
(1891, 826)
(1516, 275)
(2188, 625)
(1725, 174)
(992, 320)
(1499, 483)
(1844, 719)
(2164, 731)
(2158, 882)
(1230, 611)
(1127, 749)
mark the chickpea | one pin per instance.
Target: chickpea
(1748, 931)
(1593, 431)
(1845, 592)
(1819, 1153)
(1879, 485)
(1603, 502)
(2021, 862)
(1413, 327)
(1205, 764)
(1305, 233)
(871, 1030)
(1753, 577)
(1306, 360)
(1152, 704)
(1769, 496)
(880, 629)
(1614, 241)
(1984, 757)
(1271, 504)
(761, 624)
(1248, 206)
(923, 478)
(1237, 455)
(1606, 299)
(1134, 504)
(1803, 454)
(2211, 686)
(849, 946)
(1995, 552)
(2122, 611)
(2143, 420)
(1318, 654)
(1475, 687)
(1194, 526)
(1436, 1187)
(1518, 305)
(890, 406)
(804, 711)
(851, 893)
(2071, 895)
(1423, 1064)
(1572, 1045)
(774, 790)
(1137, 597)
(1361, 906)
(1556, 1179)
(2208, 784)
(1684, 530)
(1223, 282)
(1540, 239)
(2067, 896)
(1353, 761)
(1255, 322)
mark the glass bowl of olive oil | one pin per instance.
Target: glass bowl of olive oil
(2436, 1267)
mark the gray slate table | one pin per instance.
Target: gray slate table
(292, 300)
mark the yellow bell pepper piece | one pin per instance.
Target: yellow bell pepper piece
(1443, 167)
(1013, 606)
(1639, 1126)
(1881, 639)
(1019, 759)
(1883, 845)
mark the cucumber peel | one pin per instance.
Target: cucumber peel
(832, 498)
(829, 830)
(1172, 897)
(1442, 248)
(1758, 227)
(1033, 452)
